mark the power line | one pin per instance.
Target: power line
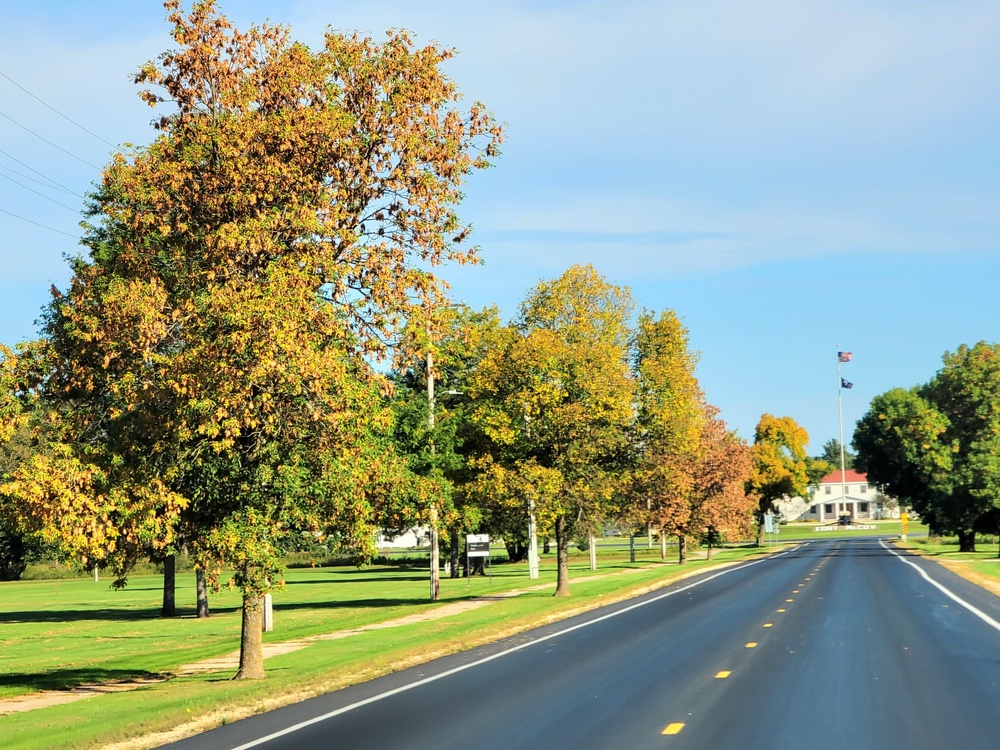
(43, 195)
(2, 211)
(68, 119)
(14, 158)
(39, 182)
(42, 138)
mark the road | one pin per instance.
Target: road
(833, 644)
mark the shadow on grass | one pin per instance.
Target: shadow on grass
(363, 603)
(63, 679)
(104, 615)
(328, 581)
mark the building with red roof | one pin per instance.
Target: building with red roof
(837, 495)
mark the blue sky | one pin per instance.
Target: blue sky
(787, 175)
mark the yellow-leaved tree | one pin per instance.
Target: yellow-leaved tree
(209, 366)
(553, 395)
(780, 464)
(668, 426)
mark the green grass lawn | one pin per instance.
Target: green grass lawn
(60, 633)
(946, 548)
(807, 531)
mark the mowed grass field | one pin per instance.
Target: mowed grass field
(807, 531)
(61, 633)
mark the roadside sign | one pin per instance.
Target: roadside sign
(477, 545)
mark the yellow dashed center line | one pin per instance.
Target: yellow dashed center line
(768, 624)
(674, 728)
(789, 600)
(782, 610)
(752, 644)
(723, 675)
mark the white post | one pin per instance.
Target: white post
(267, 624)
(435, 558)
(593, 552)
(532, 542)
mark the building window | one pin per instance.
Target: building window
(863, 507)
(827, 490)
(864, 488)
(828, 508)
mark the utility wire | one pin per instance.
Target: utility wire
(70, 153)
(74, 210)
(2, 211)
(39, 182)
(14, 158)
(68, 119)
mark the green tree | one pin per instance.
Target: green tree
(779, 464)
(554, 397)
(209, 368)
(440, 448)
(937, 446)
(831, 455)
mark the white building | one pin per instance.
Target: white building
(836, 496)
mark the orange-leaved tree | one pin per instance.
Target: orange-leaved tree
(720, 506)
(212, 355)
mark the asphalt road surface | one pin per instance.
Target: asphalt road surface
(835, 644)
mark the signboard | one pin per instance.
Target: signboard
(477, 545)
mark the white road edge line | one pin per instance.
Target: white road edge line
(954, 597)
(484, 660)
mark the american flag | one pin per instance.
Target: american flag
(844, 356)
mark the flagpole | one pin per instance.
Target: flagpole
(840, 408)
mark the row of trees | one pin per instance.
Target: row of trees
(578, 413)
(210, 379)
(936, 446)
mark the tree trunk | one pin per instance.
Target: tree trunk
(760, 534)
(663, 544)
(682, 549)
(967, 541)
(546, 546)
(201, 589)
(517, 551)
(456, 553)
(562, 558)
(252, 640)
(169, 586)
(708, 555)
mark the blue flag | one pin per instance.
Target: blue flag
(845, 384)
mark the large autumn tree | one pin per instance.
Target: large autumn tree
(554, 395)
(209, 365)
